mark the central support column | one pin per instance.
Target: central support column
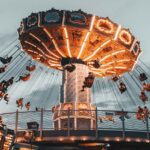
(75, 100)
(73, 82)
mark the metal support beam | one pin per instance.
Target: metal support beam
(147, 126)
(96, 119)
(123, 126)
(41, 124)
(16, 123)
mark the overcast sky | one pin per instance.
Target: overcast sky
(132, 14)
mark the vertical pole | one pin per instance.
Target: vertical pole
(96, 119)
(68, 122)
(41, 124)
(147, 126)
(123, 125)
(16, 123)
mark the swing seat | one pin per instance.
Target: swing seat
(139, 116)
(146, 87)
(19, 102)
(115, 78)
(3, 69)
(26, 78)
(1, 94)
(143, 77)
(31, 68)
(143, 98)
(122, 89)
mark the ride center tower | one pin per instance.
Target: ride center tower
(83, 46)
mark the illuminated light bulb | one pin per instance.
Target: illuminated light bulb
(72, 139)
(61, 139)
(138, 140)
(128, 139)
(106, 139)
(117, 139)
(84, 138)
(147, 141)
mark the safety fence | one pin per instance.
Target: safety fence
(106, 120)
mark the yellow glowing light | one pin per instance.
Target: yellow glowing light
(40, 50)
(86, 37)
(117, 139)
(44, 46)
(51, 61)
(115, 53)
(112, 62)
(97, 50)
(113, 72)
(128, 139)
(67, 41)
(106, 22)
(72, 139)
(54, 42)
(61, 139)
(128, 38)
(106, 139)
(138, 140)
(63, 20)
(147, 141)
(98, 73)
(117, 32)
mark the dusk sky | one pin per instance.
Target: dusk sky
(132, 14)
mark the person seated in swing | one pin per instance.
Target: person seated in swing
(53, 109)
(30, 68)
(143, 97)
(10, 81)
(146, 86)
(27, 105)
(1, 122)
(6, 60)
(3, 86)
(1, 95)
(143, 77)
(24, 78)
(122, 87)
(106, 118)
(115, 78)
(88, 81)
(146, 112)
(19, 102)
(140, 114)
(3, 69)
(6, 98)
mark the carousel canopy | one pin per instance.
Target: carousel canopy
(51, 36)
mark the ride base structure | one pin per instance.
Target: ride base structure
(76, 101)
(82, 46)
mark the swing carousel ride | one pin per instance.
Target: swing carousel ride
(91, 52)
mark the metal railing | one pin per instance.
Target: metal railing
(106, 120)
